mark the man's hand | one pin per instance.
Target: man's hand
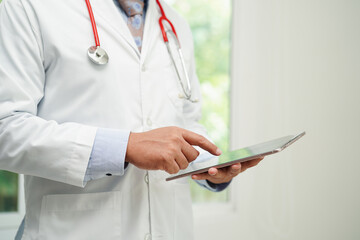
(169, 149)
(223, 175)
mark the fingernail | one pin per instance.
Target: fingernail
(236, 167)
(194, 177)
(218, 151)
(212, 173)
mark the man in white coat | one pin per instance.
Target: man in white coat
(95, 143)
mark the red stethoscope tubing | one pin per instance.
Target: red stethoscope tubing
(93, 23)
(161, 19)
(164, 18)
(100, 57)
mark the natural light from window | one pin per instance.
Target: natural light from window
(210, 25)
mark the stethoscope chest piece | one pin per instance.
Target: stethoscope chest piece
(98, 55)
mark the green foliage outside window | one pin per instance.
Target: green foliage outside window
(8, 191)
(210, 25)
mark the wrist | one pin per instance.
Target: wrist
(130, 147)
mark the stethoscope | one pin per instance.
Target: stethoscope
(99, 56)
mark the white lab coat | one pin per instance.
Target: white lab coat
(53, 99)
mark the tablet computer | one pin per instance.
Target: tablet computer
(206, 161)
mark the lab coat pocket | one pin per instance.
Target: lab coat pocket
(81, 216)
(177, 100)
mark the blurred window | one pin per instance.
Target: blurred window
(210, 24)
(8, 192)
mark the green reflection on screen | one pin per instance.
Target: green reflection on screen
(8, 192)
(231, 156)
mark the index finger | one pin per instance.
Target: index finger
(198, 140)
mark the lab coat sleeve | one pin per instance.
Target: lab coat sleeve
(29, 144)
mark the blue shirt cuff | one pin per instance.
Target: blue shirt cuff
(108, 154)
(214, 187)
(207, 157)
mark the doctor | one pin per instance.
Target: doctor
(96, 142)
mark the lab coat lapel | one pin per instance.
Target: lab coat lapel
(107, 11)
(151, 29)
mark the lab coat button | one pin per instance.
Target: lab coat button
(143, 68)
(149, 122)
(146, 178)
(148, 236)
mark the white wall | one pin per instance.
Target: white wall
(296, 66)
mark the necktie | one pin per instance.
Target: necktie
(134, 11)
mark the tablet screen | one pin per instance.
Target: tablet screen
(206, 160)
